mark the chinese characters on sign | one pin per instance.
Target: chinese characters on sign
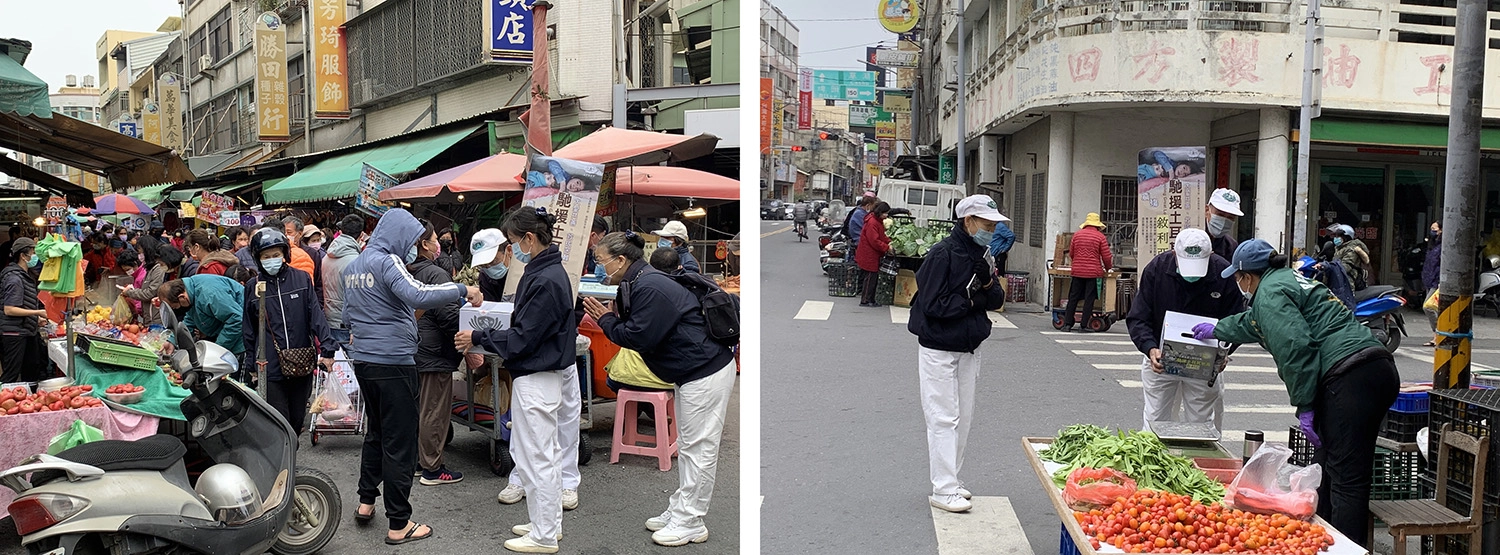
(765, 116)
(569, 191)
(804, 99)
(371, 182)
(272, 108)
(1172, 188)
(211, 205)
(170, 108)
(151, 120)
(330, 84)
(507, 26)
(844, 85)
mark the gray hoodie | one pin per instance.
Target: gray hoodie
(341, 252)
(381, 297)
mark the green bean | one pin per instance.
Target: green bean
(1140, 455)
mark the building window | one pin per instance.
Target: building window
(197, 47)
(219, 33)
(1038, 214)
(1118, 209)
(407, 44)
(1018, 210)
(296, 98)
(222, 125)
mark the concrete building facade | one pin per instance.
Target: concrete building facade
(779, 38)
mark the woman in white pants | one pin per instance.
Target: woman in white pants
(663, 321)
(539, 351)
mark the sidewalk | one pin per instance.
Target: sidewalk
(1486, 327)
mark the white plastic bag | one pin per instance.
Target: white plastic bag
(1269, 484)
(332, 403)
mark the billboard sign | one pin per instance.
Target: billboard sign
(898, 16)
(1172, 190)
(272, 104)
(804, 99)
(507, 26)
(844, 85)
(170, 91)
(330, 60)
(895, 58)
(766, 90)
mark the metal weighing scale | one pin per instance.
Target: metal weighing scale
(1197, 432)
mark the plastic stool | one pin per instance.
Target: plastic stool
(626, 432)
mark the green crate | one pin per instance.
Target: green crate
(103, 350)
(1395, 475)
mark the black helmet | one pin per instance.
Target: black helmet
(268, 238)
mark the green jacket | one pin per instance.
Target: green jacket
(218, 304)
(1306, 329)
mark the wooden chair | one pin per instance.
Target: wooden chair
(1432, 517)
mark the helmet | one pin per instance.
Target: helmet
(229, 493)
(1347, 230)
(267, 238)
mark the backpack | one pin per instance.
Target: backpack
(721, 311)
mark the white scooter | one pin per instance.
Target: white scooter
(1487, 291)
(135, 497)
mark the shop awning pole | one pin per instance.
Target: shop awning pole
(1455, 325)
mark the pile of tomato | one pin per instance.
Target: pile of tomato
(1164, 522)
(19, 400)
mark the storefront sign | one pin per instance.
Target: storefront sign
(895, 59)
(865, 116)
(507, 25)
(804, 99)
(57, 209)
(778, 122)
(569, 190)
(229, 218)
(211, 205)
(330, 84)
(766, 90)
(898, 16)
(272, 107)
(844, 85)
(884, 152)
(946, 169)
(129, 129)
(606, 205)
(885, 128)
(186, 210)
(170, 92)
(371, 182)
(151, 120)
(1173, 191)
(896, 102)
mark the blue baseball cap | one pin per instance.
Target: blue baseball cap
(1251, 255)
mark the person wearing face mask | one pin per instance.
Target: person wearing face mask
(492, 258)
(674, 235)
(293, 319)
(956, 285)
(1432, 274)
(663, 321)
(1092, 258)
(23, 354)
(100, 261)
(873, 245)
(168, 260)
(1354, 255)
(1186, 280)
(212, 307)
(1340, 379)
(341, 252)
(539, 351)
(1222, 211)
(436, 359)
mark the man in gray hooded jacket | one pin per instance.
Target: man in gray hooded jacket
(341, 252)
(380, 300)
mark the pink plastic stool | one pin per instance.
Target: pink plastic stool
(627, 434)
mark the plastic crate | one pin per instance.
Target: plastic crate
(885, 289)
(1396, 475)
(1459, 501)
(1473, 412)
(1402, 426)
(843, 280)
(114, 352)
(1015, 286)
(1066, 545)
(1302, 450)
(1415, 401)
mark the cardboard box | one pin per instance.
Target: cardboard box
(488, 316)
(1181, 354)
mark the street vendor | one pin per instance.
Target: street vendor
(1186, 280)
(1339, 377)
(23, 355)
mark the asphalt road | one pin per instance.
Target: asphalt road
(844, 463)
(615, 500)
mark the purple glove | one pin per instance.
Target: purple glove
(1203, 332)
(1305, 423)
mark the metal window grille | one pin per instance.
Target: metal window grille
(1118, 210)
(296, 93)
(650, 39)
(1038, 209)
(408, 43)
(197, 47)
(1018, 211)
(243, 103)
(223, 121)
(245, 22)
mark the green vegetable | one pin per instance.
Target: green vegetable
(909, 240)
(1140, 455)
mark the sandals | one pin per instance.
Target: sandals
(363, 519)
(1429, 344)
(408, 538)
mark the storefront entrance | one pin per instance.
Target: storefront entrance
(1389, 206)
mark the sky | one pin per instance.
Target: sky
(63, 32)
(834, 33)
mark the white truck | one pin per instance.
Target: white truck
(925, 200)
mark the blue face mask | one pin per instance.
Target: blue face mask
(272, 265)
(599, 270)
(1338, 241)
(411, 255)
(1192, 279)
(664, 244)
(496, 271)
(520, 256)
(34, 261)
(983, 236)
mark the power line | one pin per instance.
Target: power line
(860, 45)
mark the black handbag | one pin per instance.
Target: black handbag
(297, 362)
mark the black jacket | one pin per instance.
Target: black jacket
(543, 336)
(492, 289)
(1160, 289)
(294, 317)
(689, 262)
(1224, 246)
(18, 288)
(436, 328)
(948, 313)
(663, 322)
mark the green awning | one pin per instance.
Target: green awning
(183, 195)
(338, 177)
(1385, 133)
(22, 93)
(150, 194)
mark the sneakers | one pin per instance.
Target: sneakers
(673, 536)
(441, 476)
(660, 521)
(570, 499)
(964, 492)
(954, 503)
(523, 529)
(525, 544)
(512, 494)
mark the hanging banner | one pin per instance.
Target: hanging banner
(569, 190)
(804, 99)
(151, 121)
(884, 155)
(1172, 192)
(765, 116)
(272, 107)
(187, 211)
(371, 182)
(211, 204)
(606, 204)
(169, 90)
(844, 85)
(778, 123)
(229, 218)
(57, 209)
(507, 29)
(898, 16)
(330, 83)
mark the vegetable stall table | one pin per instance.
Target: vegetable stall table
(1075, 541)
(26, 435)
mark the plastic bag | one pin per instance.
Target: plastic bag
(77, 434)
(630, 369)
(123, 311)
(1091, 488)
(1431, 304)
(332, 403)
(1270, 485)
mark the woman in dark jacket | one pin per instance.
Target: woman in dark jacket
(663, 321)
(436, 360)
(1432, 274)
(873, 244)
(539, 349)
(293, 319)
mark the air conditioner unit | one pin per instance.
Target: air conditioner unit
(204, 63)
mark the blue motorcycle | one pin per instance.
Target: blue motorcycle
(1377, 307)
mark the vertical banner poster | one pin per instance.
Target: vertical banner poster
(169, 90)
(272, 107)
(804, 99)
(330, 60)
(151, 121)
(371, 182)
(765, 116)
(569, 190)
(1172, 193)
(606, 205)
(507, 29)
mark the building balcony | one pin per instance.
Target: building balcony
(1378, 57)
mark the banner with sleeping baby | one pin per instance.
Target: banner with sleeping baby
(569, 190)
(1171, 186)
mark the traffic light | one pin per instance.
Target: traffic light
(823, 135)
(797, 148)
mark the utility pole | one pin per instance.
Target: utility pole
(963, 85)
(1312, 79)
(1455, 326)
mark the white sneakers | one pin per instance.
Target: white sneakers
(570, 499)
(953, 503)
(512, 494)
(523, 529)
(659, 521)
(673, 536)
(525, 544)
(964, 492)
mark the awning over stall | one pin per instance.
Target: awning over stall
(151, 195)
(666, 181)
(338, 177)
(21, 92)
(637, 148)
(127, 162)
(76, 195)
(482, 179)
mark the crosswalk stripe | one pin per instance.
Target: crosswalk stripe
(1136, 354)
(1261, 409)
(814, 310)
(1487, 351)
(991, 527)
(1092, 342)
(1427, 358)
(999, 321)
(1232, 370)
(1136, 384)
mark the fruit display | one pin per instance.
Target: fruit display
(18, 400)
(124, 388)
(98, 315)
(1163, 522)
(125, 393)
(1140, 455)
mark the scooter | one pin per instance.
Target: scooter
(1487, 291)
(136, 497)
(1377, 307)
(834, 247)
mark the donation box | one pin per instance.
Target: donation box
(1181, 354)
(487, 316)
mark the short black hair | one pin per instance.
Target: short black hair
(234, 232)
(352, 225)
(171, 289)
(169, 255)
(666, 260)
(127, 257)
(624, 243)
(601, 225)
(525, 220)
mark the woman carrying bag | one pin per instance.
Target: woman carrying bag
(873, 245)
(292, 320)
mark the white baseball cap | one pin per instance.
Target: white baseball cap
(1193, 248)
(982, 206)
(1226, 200)
(485, 245)
(674, 229)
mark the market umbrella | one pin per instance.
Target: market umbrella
(115, 203)
(637, 148)
(481, 179)
(667, 181)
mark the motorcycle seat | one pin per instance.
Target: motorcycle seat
(158, 453)
(1372, 292)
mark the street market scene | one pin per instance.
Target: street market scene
(1130, 277)
(337, 277)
